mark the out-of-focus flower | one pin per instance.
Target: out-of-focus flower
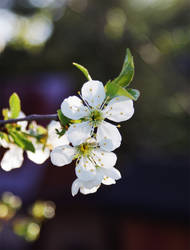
(54, 140)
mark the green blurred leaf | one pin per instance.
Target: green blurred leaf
(127, 72)
(21, 140)
(5, 114)
(14, 103)
(134, 92)
(113, 90)
(4, 136)
(84, 71)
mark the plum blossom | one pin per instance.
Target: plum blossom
(54, 140)
(94, 165)
(42, 153)
(13, 157)
(93, 115)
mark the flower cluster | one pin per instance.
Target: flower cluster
(83, 133)
(13, 157)
(91, 138)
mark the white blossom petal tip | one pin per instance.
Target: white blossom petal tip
(79, 132)
(119, 109)
(93, 92)
(13, 158)
(62, 155)
(73, 108)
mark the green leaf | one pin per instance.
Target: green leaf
(84, 71)
(21, 140)
(4, 136)
(135, 93)
(5, 114)
(127, 72)
(63, 119)
(14, 102)
(113, 90)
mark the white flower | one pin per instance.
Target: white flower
(41, 153)
(4, 143)
(94, 113)
(13, 158)
(53, 138)
(93, 165)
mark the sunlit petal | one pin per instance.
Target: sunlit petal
(85, 169)
(73, 108)
(62, 155)
(93, 92)
(41, 154)
(13, 158)
(79, 132)
(104, 159)
(108, 136)
(119, 109)
(53, 138)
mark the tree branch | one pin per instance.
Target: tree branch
(30, 118)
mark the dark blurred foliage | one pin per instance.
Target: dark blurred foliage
(156, 141)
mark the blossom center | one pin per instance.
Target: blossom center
(84, 149)
(96, 117)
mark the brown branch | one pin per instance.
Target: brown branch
(30, 118)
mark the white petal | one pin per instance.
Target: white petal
(73, 108)
(75, 187)
(79, 132)
(24, 123)
(4, 143)
(112, 173)
(62, 155)
(85, 169)
(104, 159)
(93, 92)
(108, 136)
(53, 138)
(119, 109)
(40, 155)
(94, 182)
(108, 181)
(13, 158)
(84, 190)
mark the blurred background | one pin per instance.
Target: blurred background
(148, 209)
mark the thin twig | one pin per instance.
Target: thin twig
(30, 118)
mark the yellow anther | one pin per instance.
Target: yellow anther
(121, 113)
(99, 159)
(102, 153)
(119, 126)
(102, 164)
(78, 92)
(74, 126)
(90, 90)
